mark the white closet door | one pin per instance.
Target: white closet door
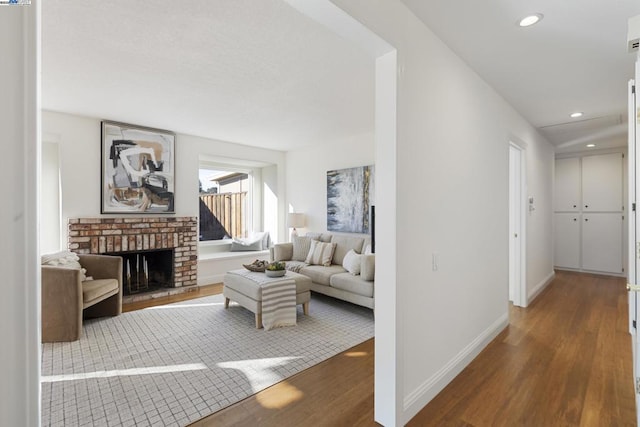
(567, 185)
(567, 240)
(602, 242)
(602, 183)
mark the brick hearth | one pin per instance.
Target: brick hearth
(113, 235)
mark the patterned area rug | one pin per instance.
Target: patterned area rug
(174, 364)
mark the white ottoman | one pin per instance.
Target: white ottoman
(243, 287)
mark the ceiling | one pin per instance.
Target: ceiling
(254, 72)
(574, 59)
(258, 72)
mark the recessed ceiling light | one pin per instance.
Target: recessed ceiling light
(528, 21)
(591, 145)
(576, 114)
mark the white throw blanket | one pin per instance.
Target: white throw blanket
(279, 303)
(278, 298)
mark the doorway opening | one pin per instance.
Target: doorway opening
(517, 226)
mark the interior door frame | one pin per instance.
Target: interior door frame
(517, 224)
(634, 239)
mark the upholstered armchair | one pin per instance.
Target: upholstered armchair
(67, 299)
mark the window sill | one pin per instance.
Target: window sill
(232, 255)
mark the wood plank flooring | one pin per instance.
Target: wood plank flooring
(563, 361)
(199, 292)
(336, 392)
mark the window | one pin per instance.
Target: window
(225, 202)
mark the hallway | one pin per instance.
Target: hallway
(563, 361)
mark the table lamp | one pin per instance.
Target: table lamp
(295, 220)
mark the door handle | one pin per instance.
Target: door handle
(633, 288)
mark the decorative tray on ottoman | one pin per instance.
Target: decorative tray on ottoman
(257, 266)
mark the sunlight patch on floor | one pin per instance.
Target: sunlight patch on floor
(124, 372)
(258, 371)
(284, 394)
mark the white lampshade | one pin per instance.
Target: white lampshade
(295, 220)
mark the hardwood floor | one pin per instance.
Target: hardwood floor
(199, 292)
(336, 392)
(563, 361)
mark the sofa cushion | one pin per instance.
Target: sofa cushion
(283, 252)
(301, 246)
(353, 284)
(93, 289)
(351, 262)
(344, 244)
(368, 267)
(323, 237)
(321, 253)
(320, 274)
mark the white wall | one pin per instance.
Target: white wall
(50, 240)
(270, 199)
(79, 140)
(451, 199)
(306, 175)
(19, 261)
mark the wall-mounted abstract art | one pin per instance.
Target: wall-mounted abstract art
(350, 195)
(137, 169)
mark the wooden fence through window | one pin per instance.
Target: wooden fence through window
(222, 215)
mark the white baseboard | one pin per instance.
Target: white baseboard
(418, 399)
(540, 287)
(207, 280)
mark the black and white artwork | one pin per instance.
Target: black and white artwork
(350, 195)
(137, 169)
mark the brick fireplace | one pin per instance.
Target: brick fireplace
(141, 234)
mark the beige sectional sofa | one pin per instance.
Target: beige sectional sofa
(352, 282)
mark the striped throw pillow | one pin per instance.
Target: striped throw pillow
(321, 253)
(301, 246)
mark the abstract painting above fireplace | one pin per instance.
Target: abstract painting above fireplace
(137, 169)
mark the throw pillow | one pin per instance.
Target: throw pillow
(58, 258)
(343, 244)
(368, 267)
(283, 252)
(266, 240)
(320, 253)
(65, 259)
(351, 262)
(301, 246)
(249, 244)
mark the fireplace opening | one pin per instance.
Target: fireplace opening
(146, 271)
